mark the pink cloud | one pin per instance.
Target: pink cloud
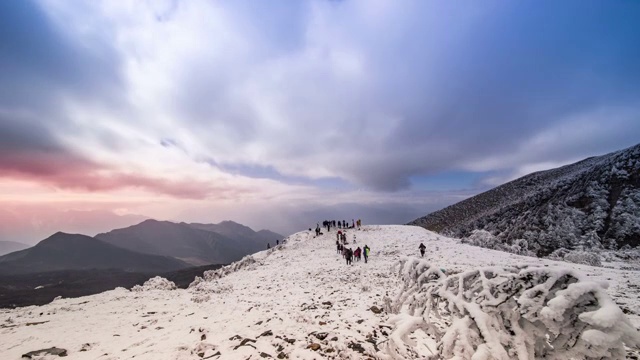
(69, 171)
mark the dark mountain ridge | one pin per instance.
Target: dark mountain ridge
(196, 244)
(594, 203)
(63, 251)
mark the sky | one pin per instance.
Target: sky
(280, 114)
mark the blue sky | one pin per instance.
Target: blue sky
(262, 112)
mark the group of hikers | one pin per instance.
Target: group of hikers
(340, 224)
(341, 240)
(349, 254)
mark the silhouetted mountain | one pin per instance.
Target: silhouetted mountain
(191, 244)
(77, 252)
(241, 233)
(594, 203)
(7, 247)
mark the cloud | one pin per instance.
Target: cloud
(379, 94)
(238, 100)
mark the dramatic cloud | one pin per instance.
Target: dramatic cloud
(285, 103)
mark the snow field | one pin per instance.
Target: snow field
(298, 300)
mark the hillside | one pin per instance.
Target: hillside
(7, 247)
(592, 204)
(79, 252)
(298, 300)
(242, 234)
(189, 244)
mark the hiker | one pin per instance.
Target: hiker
(422, 249)
(366, 253)
(354, 238)
(349, 256)
(338, 246)
(358, 253)
(268, 246)
(277, 242)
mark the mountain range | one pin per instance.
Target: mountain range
(63, 251)
(592, 204)
(149, 247)
(196, 244)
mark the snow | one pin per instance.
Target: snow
(300, 293)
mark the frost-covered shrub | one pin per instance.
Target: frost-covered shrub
(156, 283)
(583, 257)
(576, 256)
(247, 262)
(508, 313)
(483, 238)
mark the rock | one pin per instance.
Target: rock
(203, 337)
(357, 347)
(290, 341)
(259, 322)
(265, 355)
(321, 335)
(49, 351)
(335, 338)
(375, 309)
(235, 337)
(282, 355)
(322, 323)
(245, 341)
(360, 321)
(266, 333)
(314, 346)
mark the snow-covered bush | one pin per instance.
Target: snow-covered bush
(483, 238)
(576, 256)
(246, 262)
(508, 313)
(583, 257)
(156, 283)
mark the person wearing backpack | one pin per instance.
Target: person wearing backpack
(422, 249)
(366, 253)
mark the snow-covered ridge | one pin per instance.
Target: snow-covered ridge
(592, 204)
(298, 300)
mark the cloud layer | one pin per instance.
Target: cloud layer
(245, 102)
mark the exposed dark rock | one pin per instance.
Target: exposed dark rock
(375, 309)
(356, 347)
(320, 335)
(50, 351)
(314, 346)
(266, 333)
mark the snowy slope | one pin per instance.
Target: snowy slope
(593, 204)
(289, 298)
